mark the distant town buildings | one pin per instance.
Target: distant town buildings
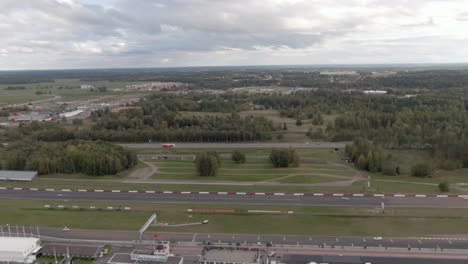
(87, 86)
(30, 117)
(339, 73)
(71, 114)
(156, 86)
(375, 92)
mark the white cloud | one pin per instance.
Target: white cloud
(147, 33)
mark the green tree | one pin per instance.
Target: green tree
(283, 158)
(362, 162)
(299, 122)
(444, 186)
(238, 157)
(207, 163)
(421, 170)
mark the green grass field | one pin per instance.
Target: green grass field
(304, 221)
(253, 172)
(29, 94)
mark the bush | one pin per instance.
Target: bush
(465, 162)
(238, 157)
(421, 170)
(444, 186)
(283, 158)
(207, 163)
(389, 170)
(298, 122)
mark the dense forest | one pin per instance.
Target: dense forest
(405, 77)
(91, 158)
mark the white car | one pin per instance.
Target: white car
(377, 238)
(205, 222)
(66, 229)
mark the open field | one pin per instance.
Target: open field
(52, 88)
(305, 220)
(252, 171)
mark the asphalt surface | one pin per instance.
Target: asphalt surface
(410, 244)
(289, 200)
(304, 145)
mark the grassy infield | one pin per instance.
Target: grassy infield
(306, 220)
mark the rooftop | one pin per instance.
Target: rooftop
(17, 175)
(17, 243)
(123, 258)
(230, 255)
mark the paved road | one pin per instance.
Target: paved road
(328, 145)
(415, 244)
(286, 200)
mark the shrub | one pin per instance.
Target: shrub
(283, 158)
(238, 157)
(421, 170)
(444, 186)
(207, 163)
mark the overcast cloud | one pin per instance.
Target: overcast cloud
(45, 34)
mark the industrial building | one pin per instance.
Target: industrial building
(28, 118)
(6, 175)
(18, 249)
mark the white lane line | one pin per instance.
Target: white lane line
(358, 194)
(167, 192)
(279, 194)
(299, 194)
(318, 194)
(150, 192)
(203, 192)
(241, 193)
(98, 190)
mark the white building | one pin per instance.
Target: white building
(375, 92)
(87, 86)
(71, 113)
(18, 249)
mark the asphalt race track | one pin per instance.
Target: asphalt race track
(304, 200)
(414, 244)
(240, 145)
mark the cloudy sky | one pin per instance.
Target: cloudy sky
(51, 34)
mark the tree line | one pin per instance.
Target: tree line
(77, 156)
